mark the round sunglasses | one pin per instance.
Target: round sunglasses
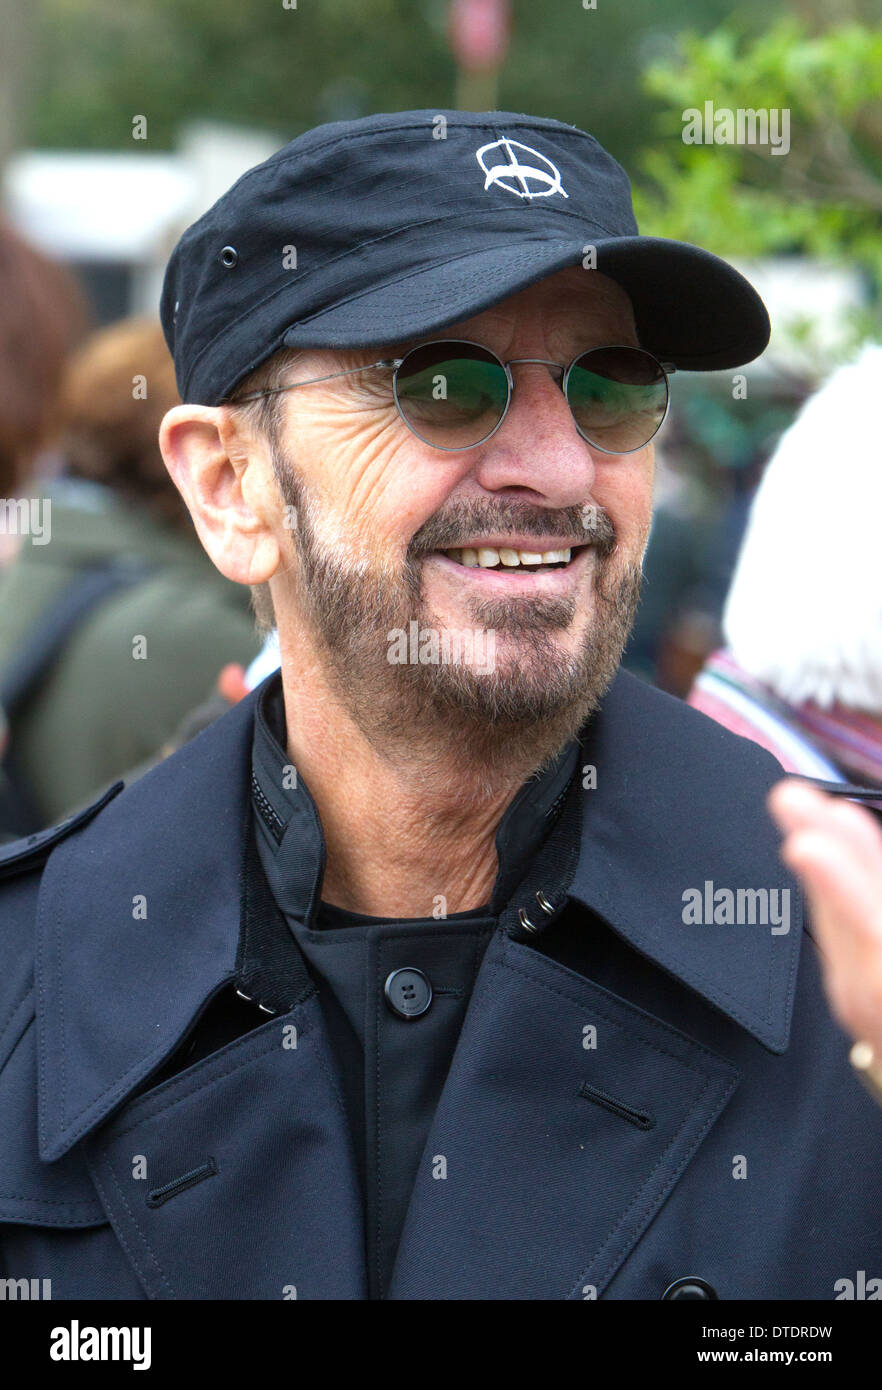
(454, 394)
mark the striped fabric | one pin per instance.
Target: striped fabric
(837, 745)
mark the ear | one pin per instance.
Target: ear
(226, 481)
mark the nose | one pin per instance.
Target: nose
(537, 447)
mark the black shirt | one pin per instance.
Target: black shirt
(392, 1069)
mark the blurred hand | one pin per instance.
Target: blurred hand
(835, 848)
(231, 683)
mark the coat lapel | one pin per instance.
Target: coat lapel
(547, 1159)
(679, 856)
(137, 928)
(236, 1179)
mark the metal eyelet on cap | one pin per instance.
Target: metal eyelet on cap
(525, 921)
(229, 257)
(544, 903)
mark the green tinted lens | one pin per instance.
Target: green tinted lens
(618, 397)
(453, 395)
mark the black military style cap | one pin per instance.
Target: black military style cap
(370, 232)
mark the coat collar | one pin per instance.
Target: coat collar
(293, 835)
(675, 830)
(138, 927)
(139, 912)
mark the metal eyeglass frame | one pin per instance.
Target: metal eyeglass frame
(393, 363)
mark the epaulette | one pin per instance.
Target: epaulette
(20, 856)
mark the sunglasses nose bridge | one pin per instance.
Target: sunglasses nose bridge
(539, 361)
(559, 367)
(533, 361)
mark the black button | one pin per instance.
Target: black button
(408, 992)
(689, 1287)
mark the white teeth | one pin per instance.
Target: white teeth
(489, 557)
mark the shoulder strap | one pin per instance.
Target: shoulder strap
(32, 664)
(54, 629)
(28, 852)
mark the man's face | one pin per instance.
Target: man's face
(377, 512)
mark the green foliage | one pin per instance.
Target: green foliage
(823, 197)
(257, 63)
(248, 62)
(619, 71)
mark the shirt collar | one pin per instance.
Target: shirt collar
(291, 831)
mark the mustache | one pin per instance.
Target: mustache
(450, 528)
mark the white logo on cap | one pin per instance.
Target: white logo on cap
(518, 174)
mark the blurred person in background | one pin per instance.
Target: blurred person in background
(116, 624)
(707, 474)
(801, 675)
(801, 671)
(43, 315)
(674, 569)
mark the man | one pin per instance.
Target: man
(449, 964)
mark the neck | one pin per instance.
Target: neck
(409, 830)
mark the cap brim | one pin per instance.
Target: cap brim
(691, 308)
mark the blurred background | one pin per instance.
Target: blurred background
(120, 124)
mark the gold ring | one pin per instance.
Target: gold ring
(868, 1068)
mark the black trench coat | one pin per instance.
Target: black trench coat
(686, 1111)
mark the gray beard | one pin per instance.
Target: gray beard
(515, 716)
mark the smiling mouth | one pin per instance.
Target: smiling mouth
(511, 561)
